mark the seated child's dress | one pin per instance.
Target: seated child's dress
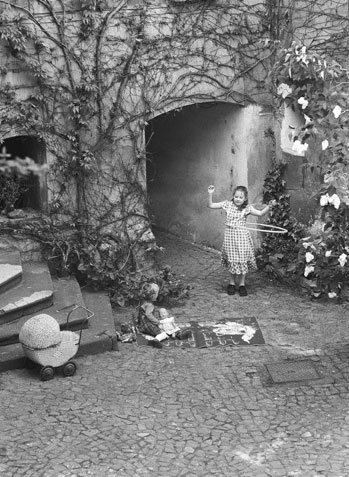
(147, 323)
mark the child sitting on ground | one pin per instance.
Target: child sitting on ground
(149, 319)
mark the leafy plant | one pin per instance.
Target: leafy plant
(98, 261)
(278, 253)
(101, 261)
(128, 287)
(11, 190)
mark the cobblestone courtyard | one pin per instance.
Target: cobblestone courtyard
(192, 412)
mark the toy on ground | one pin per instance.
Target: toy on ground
(167, 323)
(45, 344)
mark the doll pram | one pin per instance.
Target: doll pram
(46, 345)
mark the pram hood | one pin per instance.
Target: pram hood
(40, 332)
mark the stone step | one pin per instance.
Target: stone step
(32, 294)
(66, 295)
(10, 269)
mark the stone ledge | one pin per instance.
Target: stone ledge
(26, 301)
(10, 276)
(11, 269)
(35, 302)
(32, 294)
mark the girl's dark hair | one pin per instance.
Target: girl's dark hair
(245, 191)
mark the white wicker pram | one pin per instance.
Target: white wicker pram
(46, 345)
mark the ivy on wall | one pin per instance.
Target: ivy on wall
(98, 70)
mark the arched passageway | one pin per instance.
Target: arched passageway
(33, 190)
(191, 148)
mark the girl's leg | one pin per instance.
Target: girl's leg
(240, 279)
(152, 329)
(242, 288)
(161, 336)
(156, 341)
(231, 287)
(232, 280)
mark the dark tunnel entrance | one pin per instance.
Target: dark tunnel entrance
(188, 149)
(32, 191)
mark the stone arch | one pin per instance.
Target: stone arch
(238, 99)
(34, 195)
(194, 146)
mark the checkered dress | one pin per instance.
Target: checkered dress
(146, 322)
(238, 250)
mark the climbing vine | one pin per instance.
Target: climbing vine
(98, 71)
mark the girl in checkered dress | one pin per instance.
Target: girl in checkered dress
(238, 250)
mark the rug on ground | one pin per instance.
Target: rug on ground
(229, 332)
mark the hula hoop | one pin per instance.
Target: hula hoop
(268, 228)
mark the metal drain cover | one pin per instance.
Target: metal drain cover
(289, 371)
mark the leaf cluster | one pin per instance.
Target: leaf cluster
(11, 190)
(323, 258)
(129, 285)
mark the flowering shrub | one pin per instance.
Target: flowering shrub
(318, 88)
(324, 257)
(319, 263)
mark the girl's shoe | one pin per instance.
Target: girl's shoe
(183, 335)
(231, 289)
(154, 343)
(242, 290)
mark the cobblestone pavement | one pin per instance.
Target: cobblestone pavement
(192, 412)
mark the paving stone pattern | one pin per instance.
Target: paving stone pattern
(192, 412)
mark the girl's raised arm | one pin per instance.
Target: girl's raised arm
(263, 211)
(211, 204)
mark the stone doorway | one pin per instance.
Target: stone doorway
(187, 150)
(33, 188)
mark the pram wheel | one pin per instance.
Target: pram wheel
(47, 373)
(69, 369)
